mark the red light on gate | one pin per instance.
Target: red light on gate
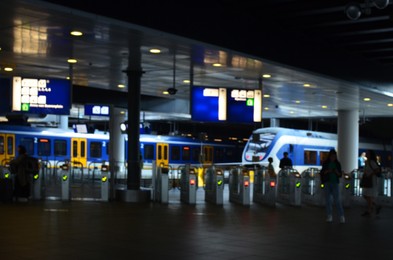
(192, 182)
(272, 184)
(246, 183)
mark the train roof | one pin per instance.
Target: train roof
(295, 132)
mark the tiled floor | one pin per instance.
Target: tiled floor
(119, 230)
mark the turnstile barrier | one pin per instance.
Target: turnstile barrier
(214, 185)
(289, 187)
(239, 186)
(265, 187)
(312, 190)
(160, 183)
(188, 184)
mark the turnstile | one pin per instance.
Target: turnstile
(264, 187)
(214, 185)
(239, 186)
(289, 187)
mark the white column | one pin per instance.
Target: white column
(116, 141)
(274, 122)
(348, 139)
(63, 124)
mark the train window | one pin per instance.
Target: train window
(74, 148)
(1, 145)
(165, 153)
(83, 148)
(175, 153)
(195, 154)
(323, 156)
(96, 149)
(159, 152)
(60, 147)
(10, 145)
(310, 157)
(44, 147)
(148, 152)
(28, 143)
(186, 155)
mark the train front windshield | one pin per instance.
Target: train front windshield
(258, 145)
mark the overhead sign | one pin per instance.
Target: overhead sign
(226, 105)
(41, 96)
(96, 110)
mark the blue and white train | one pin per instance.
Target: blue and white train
(305, 148)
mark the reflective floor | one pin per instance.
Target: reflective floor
(119, 230)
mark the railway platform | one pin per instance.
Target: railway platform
(53, 229)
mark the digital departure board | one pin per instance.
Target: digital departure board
(212, 104)
(41, 96)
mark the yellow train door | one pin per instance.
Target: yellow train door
(79, 151)
(7, 148)
(162, 154)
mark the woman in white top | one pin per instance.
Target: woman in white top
(369, 194)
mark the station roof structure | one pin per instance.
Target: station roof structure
(312, 59)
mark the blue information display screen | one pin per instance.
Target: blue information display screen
(212, 104)
(96, 110)
(41, 96)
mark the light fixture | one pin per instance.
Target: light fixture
(266, 76)
(8, 69)
(76, 33)
(155, 51)
(354, 10)
(71, 60)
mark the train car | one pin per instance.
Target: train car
(87, 151)
(305, 148)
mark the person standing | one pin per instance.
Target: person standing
(285, 162)
(270, 168)
(370, 193)
(362, 160)
(22, 178)
(331, 169)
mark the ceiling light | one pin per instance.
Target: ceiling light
(217, 65)
(353, 10)
(266, 76)
(155, 51)
(71, 60)
(8, 69)
(324, 107)
(307, 85)
(266, 95)
(390, 105)
(121, 86)
(76, 33)
(381, 4)
(186, 81)
(297, 101)
(366, 99)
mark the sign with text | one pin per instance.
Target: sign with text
(96, 110)
(41, 96)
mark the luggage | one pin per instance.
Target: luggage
(6, 190)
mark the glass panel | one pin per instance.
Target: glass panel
(28, 143)
(10, 145)
(44, 147)
(175, 154)
(60, 148)
(74, 148)
(1, 144)
(95, 149)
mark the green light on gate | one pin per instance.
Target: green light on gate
(25, 107)
(219, 182)
(250, 102)
(104, 178)
(35, 176)
(65, 177)
(7, 175)
(298, 184)
(347, 186)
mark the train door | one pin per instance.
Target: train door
(79, 151)
(207, 154)
(7, 148)
(162, 154)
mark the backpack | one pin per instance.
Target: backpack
(32, 165)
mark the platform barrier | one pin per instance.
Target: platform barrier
(188, 184)
(104, 182)
(160, 183)
(239, 186)
(289, 187)
(65, 182)
(312, 190)
(265, 187)
(214, 185)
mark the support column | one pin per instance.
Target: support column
(274, 122)
(63, 124)
(348, 139)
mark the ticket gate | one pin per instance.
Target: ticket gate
(312, 190)
(104, 182)
(65, 182)
(384, 188)
(160, 183)
(346, 190)
(214, 185)
(188, 184)
(289, 187)
(37, 185)
(265, 187)
(239, 186)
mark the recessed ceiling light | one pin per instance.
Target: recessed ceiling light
(266, 95)
(165, 92)
(366, 99)
(71, 60)
(266, 76)
(155, 50)
(390, 105)
(76, 33)
(217, 64)
(121, 86)
(8, 69)
(324, 106)
(266, 108)
(297, 101)
(307, 85)
(187, 81)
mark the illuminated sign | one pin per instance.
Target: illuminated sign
(41, 96)
(226, 105)
(96, 110)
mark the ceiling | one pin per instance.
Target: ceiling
(296, 42)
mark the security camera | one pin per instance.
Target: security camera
(172, 91)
